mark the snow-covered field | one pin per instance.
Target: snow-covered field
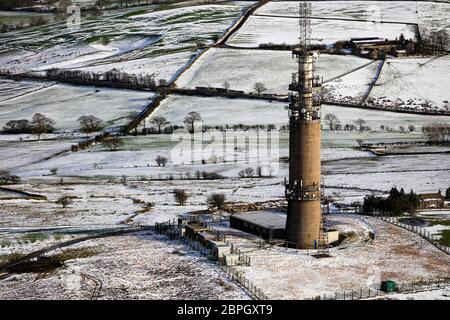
(66, 103)
(433, 16)
(16, 153)
(376, 118)
(223, 111)
(95, 205)
(351, 87)
(398, 11)
(414, 84)
(422, 173)
(114, 189)
(288, 274)
(137, 157)
(263, 30)
(121, 36)
(138, 266)
(13, 89)
(273, 68)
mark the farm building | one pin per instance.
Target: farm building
(431, 200)
(373, 47)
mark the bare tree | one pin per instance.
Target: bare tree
(360, 142)
(17, 126)
(23, 125)
(190, 120)
(259, 172)
(64, 201)
(331, 119)
(161, 161)
(216, 200)
(226, 85)
(411, 128)
(102, 3)
(91, 123)
(360, 122)
(113, 143)
(41, 124)
(160, 122)
(259, 87)
(180, 196)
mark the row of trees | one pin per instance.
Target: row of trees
(15, 4)
(41, 124)
(33, 22)
(334, 123)
(396, 203)
(251, 173)
(114, 75)
(38, 125)
(437, 132)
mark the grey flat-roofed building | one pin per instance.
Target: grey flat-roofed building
(267, 224)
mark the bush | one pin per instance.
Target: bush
(212, 175)
(113, 143)
(161, 161)
(246, 173)
(216, 200)
(64, 201)
(180, 196)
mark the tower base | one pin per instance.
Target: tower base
(303, 223)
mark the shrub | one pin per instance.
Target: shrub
(180, 196)
(216, 200)
(64, 201)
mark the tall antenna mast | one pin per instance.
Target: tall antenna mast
(303, 189)
(305, 10)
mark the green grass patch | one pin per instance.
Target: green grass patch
(35, 237)
(103, 39)
(5, 243)
(47, 264)
(10, 258)
(445, 238)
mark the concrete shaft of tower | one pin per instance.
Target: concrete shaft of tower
(303, 189)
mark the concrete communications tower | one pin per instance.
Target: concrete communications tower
(303, 189)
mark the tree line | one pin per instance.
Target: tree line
(41, 124)
(114, 75)
(395, 204)
(437, 132)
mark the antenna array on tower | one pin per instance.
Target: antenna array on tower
(305, 10)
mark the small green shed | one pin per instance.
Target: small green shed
(388, 286)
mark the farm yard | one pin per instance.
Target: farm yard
(231, 64)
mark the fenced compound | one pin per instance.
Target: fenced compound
(170, 229)
(238, 277)
(402, 287)
(419, 231)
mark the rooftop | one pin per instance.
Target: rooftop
(267, 218)
(431, 196)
